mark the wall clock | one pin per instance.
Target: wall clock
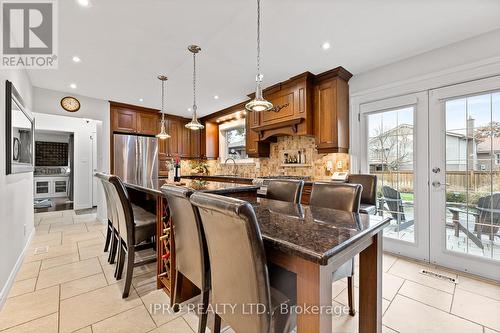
(70, 104)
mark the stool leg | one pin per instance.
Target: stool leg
(108, 237)
(120, 262)
(202, 323)
(350, 295)
(217, 320)
(114, 247)
(130, 271)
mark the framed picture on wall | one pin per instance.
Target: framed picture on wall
(19, 131)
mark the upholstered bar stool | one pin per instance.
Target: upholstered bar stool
(344, 197)
(191, 257)
(368, 203)
(238, 267)
(112, 233)
(135, 230)
(289, 190)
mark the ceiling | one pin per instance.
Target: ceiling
(125, 44)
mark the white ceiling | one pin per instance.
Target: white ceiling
(125, 44)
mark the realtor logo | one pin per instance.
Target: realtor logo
(29, 38)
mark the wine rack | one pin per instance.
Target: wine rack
(165, 247)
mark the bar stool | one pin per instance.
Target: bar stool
(368, 203)
(134, 230)
(344, 197)
(238, 266)
(191, 258)
(289, 190)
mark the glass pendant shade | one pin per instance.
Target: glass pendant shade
(258, 104)
(163, 133)
(194, 124)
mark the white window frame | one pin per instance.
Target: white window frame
(222, 141)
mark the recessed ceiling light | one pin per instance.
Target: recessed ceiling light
(76, 59)
(141, 100)
(84, 3)
(189, 109)
(72, 86)
(325, 46)
(216, 97)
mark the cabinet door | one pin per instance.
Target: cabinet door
(284, 101)
(251, 136)
(147, 123)
(42, 188)
(325, 114)
(124, 120)
(174, 126)
(212, 140)
(184, 142)
(194, 144)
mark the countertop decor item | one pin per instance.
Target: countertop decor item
(258, 103)
(199, 167)
(163, 134)
(194, 124)
(70, 104)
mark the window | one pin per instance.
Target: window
(232, 141)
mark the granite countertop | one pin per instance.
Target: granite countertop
(313, 233)
(242, 179)
(154, 186)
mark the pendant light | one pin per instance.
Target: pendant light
(163, 134)
(194, 124)
(258, 103)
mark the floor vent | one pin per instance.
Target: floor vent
(438, 276)
(40, 250)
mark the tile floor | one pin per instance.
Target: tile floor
(66, 285)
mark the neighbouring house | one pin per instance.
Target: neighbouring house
(488, 154)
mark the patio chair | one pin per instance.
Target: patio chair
(488, 212)
(396, 207)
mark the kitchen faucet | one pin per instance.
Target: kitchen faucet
(235, 172)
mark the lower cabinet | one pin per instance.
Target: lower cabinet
(51, 187)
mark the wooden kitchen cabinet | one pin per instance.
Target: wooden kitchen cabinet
(184, 140)
(331, 111)
(195, 143)
(211, 140)
(124, 120)
(147, 123)
(174, 126)
(254, 147)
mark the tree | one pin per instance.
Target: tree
(392, 147)
(491, 129)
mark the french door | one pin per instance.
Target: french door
(395, 137)
(464, 146)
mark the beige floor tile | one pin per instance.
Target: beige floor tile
(48, 324)
(427, 295)
(388, 260)
(56, 220)
(385, 305)
(80, 286)
(178, 325)
(478, 308)
(87, 329)
(99, 240)
(53, 238)
(386, 329)
(68, 229)
(53, 251)
(487, 330)
(68, 272)
(344, 323)
(390, 285)
(160, 315)
(58, 261)
(407, 315)
(145, 283)
(342, 298)
(480, 287)
(74, 237)
(411, 271)
(42, 229)
(24, 308)
(136, 320)
(109, 270)
(22, 287)
(91, 251)
(28, 270)
(338, 287)
(85, 309)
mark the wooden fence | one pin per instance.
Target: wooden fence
(455, 180)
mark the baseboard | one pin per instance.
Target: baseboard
(10, 281)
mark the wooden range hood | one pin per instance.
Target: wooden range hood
(293, 109)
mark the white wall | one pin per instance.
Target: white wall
(52, 137)
(82, 129)
(16, 193)
(48, 102)
(426, 65)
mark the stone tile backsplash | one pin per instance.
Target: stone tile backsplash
(273, 166)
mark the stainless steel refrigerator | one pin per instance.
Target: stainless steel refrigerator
(135, 158)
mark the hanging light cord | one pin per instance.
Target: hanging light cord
(162, 101)
(258, 40)
(194, 84)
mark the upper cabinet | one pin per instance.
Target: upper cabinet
(147, 123)
(331, 111)
(254, 147)
(130, 119)
(292, 113)
(123, 120)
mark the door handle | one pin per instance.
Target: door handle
(436, 184)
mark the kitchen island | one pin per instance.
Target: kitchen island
(148, 195)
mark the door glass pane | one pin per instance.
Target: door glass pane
(390, 157)
(473, 175)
